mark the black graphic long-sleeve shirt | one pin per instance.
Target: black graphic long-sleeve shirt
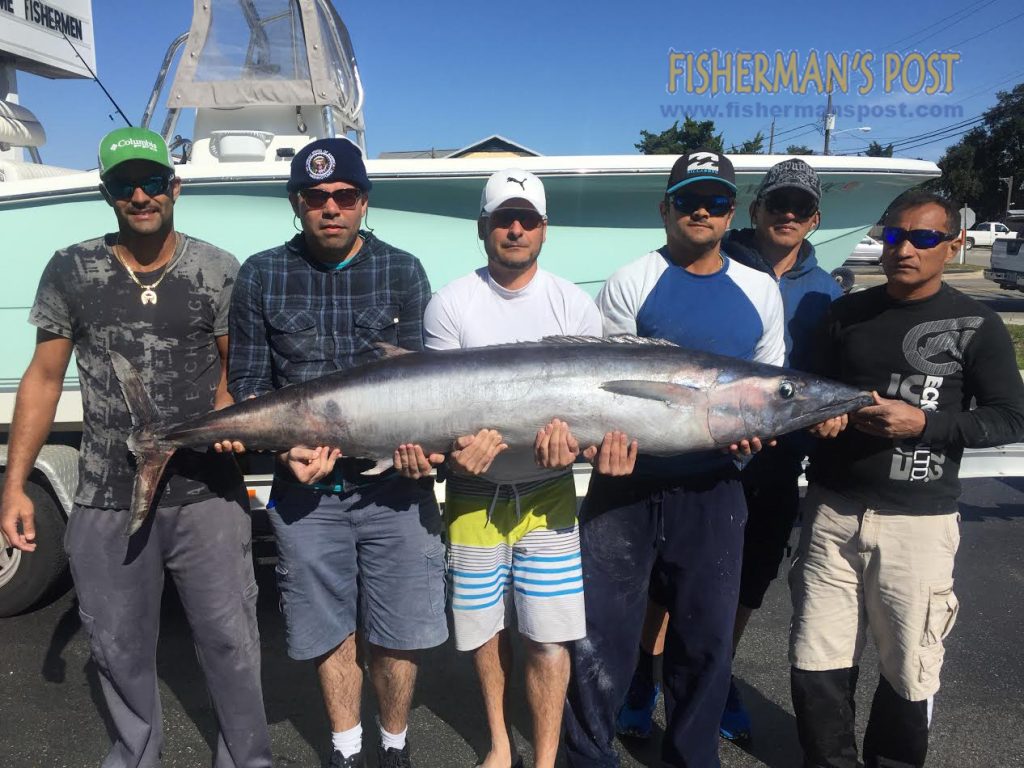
(948, 355)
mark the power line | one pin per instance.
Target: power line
(988, 31)
(797, 128)
(963, 11)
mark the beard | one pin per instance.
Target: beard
(518, 259)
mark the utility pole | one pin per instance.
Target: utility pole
(830, 120)
(771, 138)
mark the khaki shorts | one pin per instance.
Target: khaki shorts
(857, 569)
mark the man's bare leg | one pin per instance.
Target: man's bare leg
(652, 636)
(493, 662)
(394, 678)
(547, 677)
(341, 683)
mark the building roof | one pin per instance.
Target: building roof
(490, 146)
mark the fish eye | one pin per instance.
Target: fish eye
(787, 390)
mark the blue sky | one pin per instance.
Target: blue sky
(567, 78)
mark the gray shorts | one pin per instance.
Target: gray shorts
(370, 557)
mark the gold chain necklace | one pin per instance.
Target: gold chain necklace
(148, 295)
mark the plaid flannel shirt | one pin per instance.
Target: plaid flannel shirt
(293, 319)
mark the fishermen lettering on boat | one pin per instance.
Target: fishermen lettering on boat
(160, 298)
(785, 210)
(675, 526)
(357, 555)
(513, 539)
(880, 520)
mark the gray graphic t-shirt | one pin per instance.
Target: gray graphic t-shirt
(87, 296)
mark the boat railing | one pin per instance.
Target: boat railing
(161, 78)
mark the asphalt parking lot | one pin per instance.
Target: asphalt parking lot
(52, 715)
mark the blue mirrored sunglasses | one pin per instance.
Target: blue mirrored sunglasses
(123, 189)
(919, 238)
(688, 202)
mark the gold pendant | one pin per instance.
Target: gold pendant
(148, 296)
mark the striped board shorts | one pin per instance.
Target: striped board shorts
(520, 541)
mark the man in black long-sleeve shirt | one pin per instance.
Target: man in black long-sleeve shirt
(881, 526)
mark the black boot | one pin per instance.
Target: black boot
(897, 734)
(824, 707)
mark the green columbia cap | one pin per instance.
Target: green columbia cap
(132, 143)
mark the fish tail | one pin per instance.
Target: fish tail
(150, 452)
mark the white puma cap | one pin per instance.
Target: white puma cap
(510, 184)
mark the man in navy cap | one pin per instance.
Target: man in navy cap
(348, 545)
(674, 528)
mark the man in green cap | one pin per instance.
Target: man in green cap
(159, 298)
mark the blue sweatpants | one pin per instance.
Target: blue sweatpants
(687, 535)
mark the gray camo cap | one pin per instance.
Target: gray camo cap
(791, 174)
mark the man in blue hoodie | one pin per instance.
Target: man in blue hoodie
(784, 212)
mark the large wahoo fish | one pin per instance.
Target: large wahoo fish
(672, 400)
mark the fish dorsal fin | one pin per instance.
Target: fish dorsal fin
(666, 391)
(619, 338)
(390, 350)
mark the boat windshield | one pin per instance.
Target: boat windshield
(253, 41)
(264, 52)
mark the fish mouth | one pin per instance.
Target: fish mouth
(831, 410)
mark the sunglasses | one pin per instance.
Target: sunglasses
(503, 217)
(919, 238)
(343, 198)
(688, 202)
(801, 206)
(123, 189)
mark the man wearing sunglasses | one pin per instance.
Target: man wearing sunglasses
(511, 519)
(161, 299)
(674, 528)
(354, 551)
(784, 212)
(880, 521)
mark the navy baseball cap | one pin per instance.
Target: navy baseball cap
(702, 165)
(327, 160)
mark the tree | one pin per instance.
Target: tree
(972, 168)
(877, 150)
(799, 149)
(754, 146)
(680, 141)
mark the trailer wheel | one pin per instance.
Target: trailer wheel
(968, 243)
(28, 578)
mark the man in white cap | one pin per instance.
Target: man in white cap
(511, 519)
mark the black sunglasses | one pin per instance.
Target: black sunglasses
(123, 189)
(343, 198)
(919, 238)
(528, 218)
(801, 206)
(688, 202)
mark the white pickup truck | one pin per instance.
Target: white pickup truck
(987, 233)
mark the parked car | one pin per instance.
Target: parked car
(986, 233)
(868, 251)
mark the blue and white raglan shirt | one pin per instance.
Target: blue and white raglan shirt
(736, 311)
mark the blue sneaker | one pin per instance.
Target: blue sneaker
(735, 723)
(636, 716)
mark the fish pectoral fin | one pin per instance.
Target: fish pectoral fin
(390, 350)
(665, 391)
(382, 465)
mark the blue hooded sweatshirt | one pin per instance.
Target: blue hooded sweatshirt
(807, 291)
